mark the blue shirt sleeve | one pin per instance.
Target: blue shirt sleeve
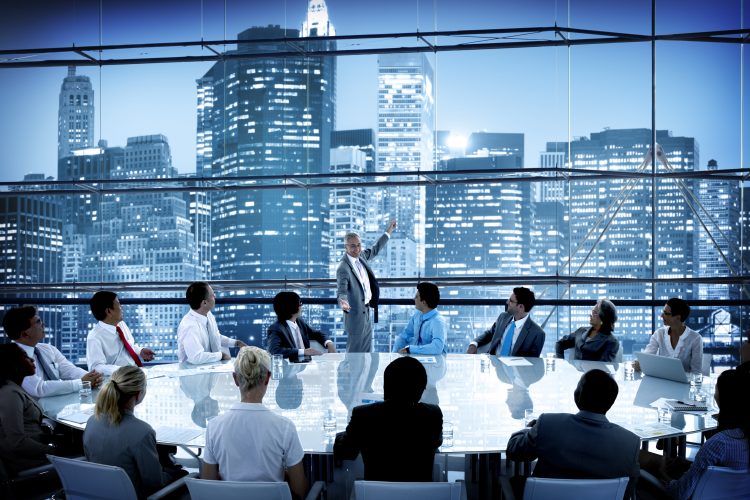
(433, 331)
(403, 338)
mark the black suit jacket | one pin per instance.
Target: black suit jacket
(397, 442)
(530, 341)
(281, 340)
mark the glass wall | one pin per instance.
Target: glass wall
(148, 145)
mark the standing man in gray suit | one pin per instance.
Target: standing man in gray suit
(514, 333)
(357, 289)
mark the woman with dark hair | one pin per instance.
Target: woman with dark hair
(595, 342)
(290, 336)
(114, 436)
(730, 447)
(24, 443)
(675, 339)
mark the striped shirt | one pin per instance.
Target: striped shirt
(726, 449)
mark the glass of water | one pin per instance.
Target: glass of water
(277, 369)
(329, 422)
(447, 434)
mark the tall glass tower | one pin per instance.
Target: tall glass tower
(75, 122)
(268, 116)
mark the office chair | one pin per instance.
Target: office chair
(541, 488)
(384, 490)
(36, 483)
(84, 480)
(204, 489)
(722, 483)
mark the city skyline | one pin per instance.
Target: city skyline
(522, 91)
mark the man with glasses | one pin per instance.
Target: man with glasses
(357, 289)
(54, 373)
(514, 333)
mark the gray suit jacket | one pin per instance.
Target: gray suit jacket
(581, 446)
(530, 341)
(357, 322)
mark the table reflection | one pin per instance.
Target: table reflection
(484, 397)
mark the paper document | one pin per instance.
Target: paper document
(515, 361)
(426, 360)
(652, 430)
(78, 417)
(176, 435)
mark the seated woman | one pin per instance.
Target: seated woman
(730, 447)
(290, 336)
(675, 339)
(24, 443)
(114, 436)
(594, 343)
(250, 442)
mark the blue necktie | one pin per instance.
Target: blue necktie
(508, 340)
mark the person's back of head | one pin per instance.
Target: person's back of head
(285, 305)
(126, 382)
(731, 396)
(100, 302)
(251, 367)
(18, 320)
(404, 381)
(525, 297)
(11, 364)
(430, 293)
(196, 293)
(596, 392)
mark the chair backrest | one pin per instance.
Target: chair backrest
(539, 488)
(204, 489)
(618, 356)
(722, 483)
(383, 490)
(706, 364)
(84, 480)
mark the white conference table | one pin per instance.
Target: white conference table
(482, 396)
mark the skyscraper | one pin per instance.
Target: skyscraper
(75, 126)
(612, 224)
(268, 116)
(406, 103)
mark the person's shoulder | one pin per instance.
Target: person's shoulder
(429, 409)
(42, 346)
(136, 425)
(533, 324)
(275, 326)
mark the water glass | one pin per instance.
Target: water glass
(664, 414)
(447, 434)
(696, 380)
(277, 368)
(329, 422)
(628, 370)
(85, 391)
(484, 363)
(528, 416)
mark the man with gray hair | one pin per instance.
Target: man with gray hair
(357, 289)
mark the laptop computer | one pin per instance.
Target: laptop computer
(662, 367)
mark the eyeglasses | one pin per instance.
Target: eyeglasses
(511, 301)
(353, 245)
(666, 313)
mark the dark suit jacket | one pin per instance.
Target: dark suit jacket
(581, 446)
(530, 341)
(603, 347)
(397, 442)
(281, 340)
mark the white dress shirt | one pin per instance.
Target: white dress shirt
(689, 348)
(364, 279)
(68, 375)
(192, 339)
(105, 352)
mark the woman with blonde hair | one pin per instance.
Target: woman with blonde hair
(114, 436)
(250, 442)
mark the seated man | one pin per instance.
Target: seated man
(514, 333)
(290, 336)
(581, 446)
(55, 374)
(198, 337)
(425, 333)
(399, 436)
(110, 344)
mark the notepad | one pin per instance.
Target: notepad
(676, 405)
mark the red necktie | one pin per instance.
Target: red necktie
(128, 348)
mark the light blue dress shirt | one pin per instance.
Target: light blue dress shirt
(425, 334)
